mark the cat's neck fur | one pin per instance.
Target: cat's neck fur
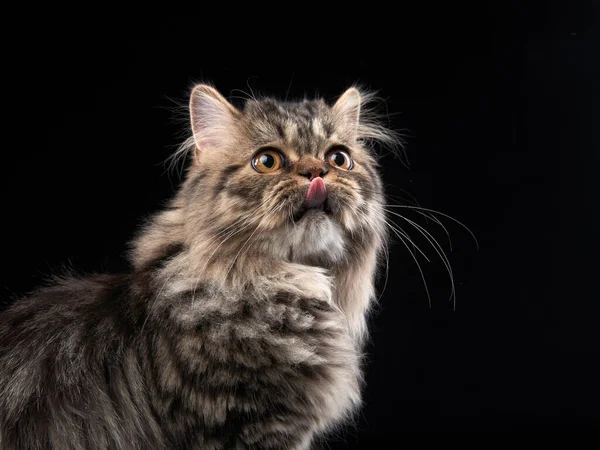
(348, 284)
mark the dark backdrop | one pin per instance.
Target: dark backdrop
(500, 108)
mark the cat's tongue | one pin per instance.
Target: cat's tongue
(317, 193)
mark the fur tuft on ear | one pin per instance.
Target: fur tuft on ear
(212, 118)
(357, 112)
(347, 108)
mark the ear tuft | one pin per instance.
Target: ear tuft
(347, 108)
(212, 117)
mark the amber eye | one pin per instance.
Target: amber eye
(340, 159)
(267, 160)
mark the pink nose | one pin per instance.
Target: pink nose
(316, 194)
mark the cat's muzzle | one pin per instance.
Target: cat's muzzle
(315, 201)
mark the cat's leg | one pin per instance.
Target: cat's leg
(296, 279)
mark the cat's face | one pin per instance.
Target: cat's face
(289, 178)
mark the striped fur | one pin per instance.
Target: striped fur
(240, 325)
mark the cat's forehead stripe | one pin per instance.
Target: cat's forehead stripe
(306, 127)
(317, 128)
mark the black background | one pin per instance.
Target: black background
(500, 108)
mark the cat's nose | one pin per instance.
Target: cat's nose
(313, 173)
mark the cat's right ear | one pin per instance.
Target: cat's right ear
(212, 117)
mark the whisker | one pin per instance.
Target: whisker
(386, 254)
(438, 249)
(369, 221)
(228, 237)
(411, 197)
(399, 231)
(262, 216)
(441, 214)
(438, 222)
(233, 225)
(420, 271)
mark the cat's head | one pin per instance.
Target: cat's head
(294, 180)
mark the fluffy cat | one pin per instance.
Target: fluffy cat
(241, 322)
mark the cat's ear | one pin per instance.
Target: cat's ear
(213, 118)
(347, 109)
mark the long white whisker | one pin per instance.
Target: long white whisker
(420, 271)
(230, 235)
(233, 225)
(437, 221)
(438, 249)
(402, 234)
(386, 254)
(412, 198)
(368, 220)
(441, 214)
(206, 261)
(269, 212)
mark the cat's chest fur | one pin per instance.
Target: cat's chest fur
(265, 370)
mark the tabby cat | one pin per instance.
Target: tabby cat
(241, 322)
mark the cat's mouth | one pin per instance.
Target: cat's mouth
(315, 200)
(306, 211)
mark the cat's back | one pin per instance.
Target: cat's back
(64, 307)
(57, 346)
(56, 328)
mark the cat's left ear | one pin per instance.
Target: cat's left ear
(213, 118)
(347, 109)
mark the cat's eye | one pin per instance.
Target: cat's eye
(267, 160)
(340, 158)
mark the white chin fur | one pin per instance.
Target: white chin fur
(314, 238)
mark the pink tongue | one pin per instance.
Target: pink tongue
(317, 193)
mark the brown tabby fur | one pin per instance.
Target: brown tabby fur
(239, 325)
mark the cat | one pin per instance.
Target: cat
(243, 319)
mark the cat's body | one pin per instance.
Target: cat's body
(270, 370)
(242, 321)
